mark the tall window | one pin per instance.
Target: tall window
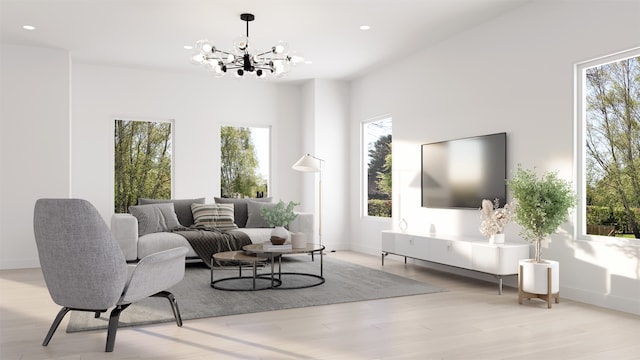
(609, 146)
(244, 163)
(376, 153)
(142, 163)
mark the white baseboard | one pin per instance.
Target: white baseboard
(602, 300)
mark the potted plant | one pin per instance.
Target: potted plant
(278, 216)
(542, 205)
(494, 219)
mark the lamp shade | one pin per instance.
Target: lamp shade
(307, 163)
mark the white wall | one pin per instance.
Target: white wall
(331, 138)
(513, 74)
(199, 104)
(34, 143)
(326, 137)
(52, 149)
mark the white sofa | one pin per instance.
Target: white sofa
(125, 229)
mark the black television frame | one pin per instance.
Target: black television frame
(490, 186)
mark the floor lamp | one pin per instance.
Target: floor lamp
(309, 163)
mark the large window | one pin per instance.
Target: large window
(608, 122)
(376, 153)
(142, 162)
(244, 163)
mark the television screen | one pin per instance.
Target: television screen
(461, 173)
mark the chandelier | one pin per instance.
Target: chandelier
(276, 61)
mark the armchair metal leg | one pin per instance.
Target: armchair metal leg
(113, 326)
(56, 323)
(174, 305)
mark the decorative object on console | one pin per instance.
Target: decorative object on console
(310, 163)
(542, 206)
(278, 216)
(494, 219)
(276, 60)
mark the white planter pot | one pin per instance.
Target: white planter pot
(298, 240)
(535, 276)
(496, 239)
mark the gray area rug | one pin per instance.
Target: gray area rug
(345, 282)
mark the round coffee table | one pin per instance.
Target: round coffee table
(274, 253)
(241, 259)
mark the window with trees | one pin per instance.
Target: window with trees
(244, 161)
(142, 161)
(608, 124)
(376, 152)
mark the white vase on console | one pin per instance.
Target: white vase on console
(496, 239)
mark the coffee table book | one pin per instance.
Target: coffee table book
(271, 247)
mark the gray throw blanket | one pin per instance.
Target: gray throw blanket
(206, 240)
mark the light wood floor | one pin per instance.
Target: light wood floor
(469, 321)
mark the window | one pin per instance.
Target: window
(244, 163)
(608, 153)
(142, 162)
(376, 153)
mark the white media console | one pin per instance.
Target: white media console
(463, 252)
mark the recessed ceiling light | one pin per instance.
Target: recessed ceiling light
(365, 27)
(28, 27)
(188, 47)
(308, 62)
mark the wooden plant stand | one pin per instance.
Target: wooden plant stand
(547, 297)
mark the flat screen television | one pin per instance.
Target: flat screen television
(461, 173)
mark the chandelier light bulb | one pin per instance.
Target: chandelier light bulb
(197, 58)
(207, 48)
(241, 44)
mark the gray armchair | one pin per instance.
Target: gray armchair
(85, 270)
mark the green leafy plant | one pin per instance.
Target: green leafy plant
(279, 214)
(542, 204)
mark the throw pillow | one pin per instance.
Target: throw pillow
(182, 207)
(154, 218)
(240, 211)
(216, 215)
(254, 218)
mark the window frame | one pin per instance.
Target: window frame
(364, 168)
(580, 113)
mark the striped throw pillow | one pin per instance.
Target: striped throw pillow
(217, 215)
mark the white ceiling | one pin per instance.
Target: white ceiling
(152, 33)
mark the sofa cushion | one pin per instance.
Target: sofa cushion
(240, 211)
(154, 218)
(216, 215)
(254, 217)
(156, 242)
(181, 206)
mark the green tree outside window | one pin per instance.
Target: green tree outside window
(142, 162)
(240, 174)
